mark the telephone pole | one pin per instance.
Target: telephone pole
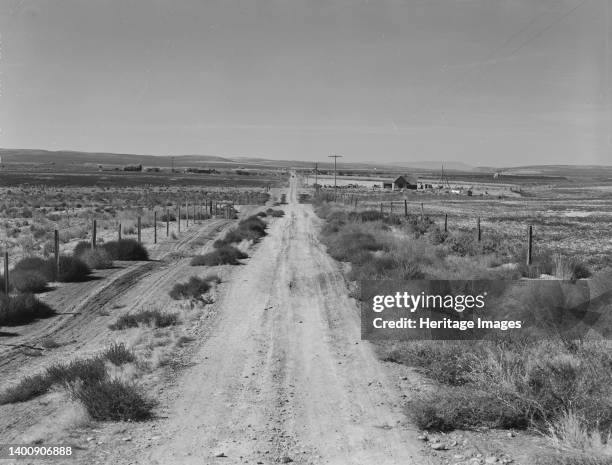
(335, 157)
(316, 178)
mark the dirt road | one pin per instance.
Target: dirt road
(282, 375)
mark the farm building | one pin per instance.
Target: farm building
(132, 168)
(402, 182)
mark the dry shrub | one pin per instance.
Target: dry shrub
(443, 361)
(274, 213)
(81, 247)
(71, 269)
(86, 370)
(195, 288)
(223, 255)
(28, 388)
(22, 309)
(155, 318)
(536, 383)
(569, 268)
(126, 249)
(119, 354)
(28, 281)
(97, 259)
(464, 408)
(252, 228)
(114, 400)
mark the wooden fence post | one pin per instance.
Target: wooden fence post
(405, 207)
(6, 273)
(479, 230)
(391, 208)
(167, 222)
(139, 226)
(530, 246)
(119, 232)
(155, 227)
(187, 213)
(94, 232)
(179, 218)
(446, 222)
(422, 212)
(381, 208)
(56, 252)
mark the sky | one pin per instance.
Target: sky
(485, 82)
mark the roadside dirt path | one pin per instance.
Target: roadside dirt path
(282, 375)
(79, 305)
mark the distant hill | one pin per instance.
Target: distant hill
(87, 160)
(436, 165)
(68, 157)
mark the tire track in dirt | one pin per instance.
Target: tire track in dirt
(142, 283)
(80, 304)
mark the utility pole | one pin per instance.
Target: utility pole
(316, 178)
(335, 157)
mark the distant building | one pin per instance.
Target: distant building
(405, 182)
(201, 170)
(132, 168)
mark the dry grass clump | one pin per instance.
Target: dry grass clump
(118, 354)
(252, 228)
(114, 400)
(85, 370)
(464, 408)
(126, 249)
(155, 318)
(28, 388)
(274, 213)
(222, 255)
(22, 309)
(370, 246)
(71, 269)
(195, 288)
(97, 259)
(520, 384)
(442, 361)
(88, 381)
(28, 281)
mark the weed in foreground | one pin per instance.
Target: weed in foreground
(113, 400)
(118, 354)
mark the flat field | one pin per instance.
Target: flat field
(35, 202)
